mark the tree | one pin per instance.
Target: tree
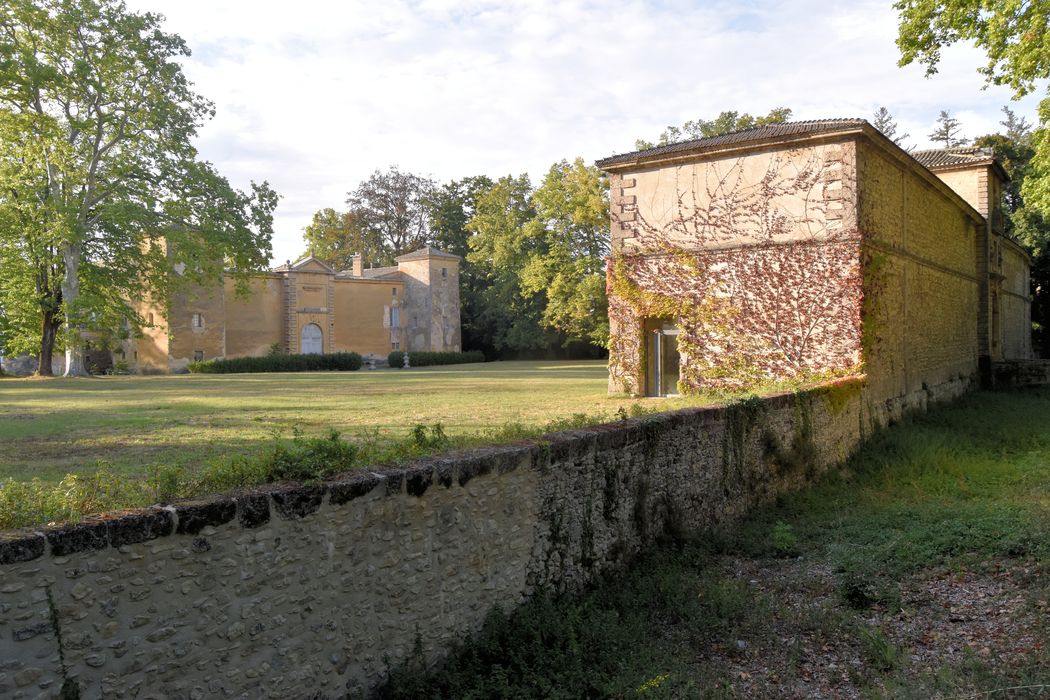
(572, 221)
(102, 176)
(724, 123)
(947, 131)
(884, 122)
(391, 207)
(450, 208)
(1025, 223)
(1013, 34)
(500, 247)
(336, 237)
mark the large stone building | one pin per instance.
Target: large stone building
(308, 307)
(808, 249)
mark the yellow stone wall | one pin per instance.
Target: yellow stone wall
(184, 339)
(1015, 303)
(255, 323)
(363, 314)
(921, 284)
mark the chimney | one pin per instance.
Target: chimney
(357, 267)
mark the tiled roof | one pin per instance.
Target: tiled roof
(424, 253)
(759, 133)
(379, 271)
(951, 157)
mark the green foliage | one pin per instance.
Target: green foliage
(627, 636)
(879, 651)
(1013, 35)
(420, 358)
(725, 123)
(947, 131)
(310, 459)
(335, 237)
(433, 439)
(884, 122)
(572, 222)
(784, 540)
(389, 210)
(335, 361)
(101, 178)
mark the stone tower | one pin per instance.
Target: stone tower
(430, 314)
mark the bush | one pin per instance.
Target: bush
(336, 361)
(423, 359)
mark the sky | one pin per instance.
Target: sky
(313, 96)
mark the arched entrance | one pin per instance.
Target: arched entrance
(311, 340)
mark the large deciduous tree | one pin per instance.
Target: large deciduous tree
(500, 248)
(572, 223)
(450, 208)
(101, 188)
(391, 208)
(335, 237)
(1015, 36)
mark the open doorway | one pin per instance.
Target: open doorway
(661, 357)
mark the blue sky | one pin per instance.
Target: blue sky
(314, 96)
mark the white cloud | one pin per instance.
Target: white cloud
(313, 96)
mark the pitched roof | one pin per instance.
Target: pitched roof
(759, 133)
(379, 271)
(953, 157)
(304, 262)
(424, 253)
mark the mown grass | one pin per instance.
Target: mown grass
(965, 487)
(51, 428)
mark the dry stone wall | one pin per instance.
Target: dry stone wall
(317, 591)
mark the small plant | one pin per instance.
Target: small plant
(879, 651)
(434, 439)
(784, 540)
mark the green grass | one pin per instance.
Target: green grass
(960, 493)
(50, 428)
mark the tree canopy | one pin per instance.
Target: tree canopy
(724, 123)
(1014, 37)
(102, 194)
(391, 210)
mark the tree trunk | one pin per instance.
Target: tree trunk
(48, 332)
(75, 366)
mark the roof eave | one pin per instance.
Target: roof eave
(626, 162)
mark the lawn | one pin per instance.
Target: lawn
(920, 570)
(49, 428)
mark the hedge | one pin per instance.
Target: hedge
(336, 361)
(422, 359)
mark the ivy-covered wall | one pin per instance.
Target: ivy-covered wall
(757, 258)
(795, 262)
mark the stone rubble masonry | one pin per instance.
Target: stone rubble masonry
(317, 591)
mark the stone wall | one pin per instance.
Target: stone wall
(318, 591)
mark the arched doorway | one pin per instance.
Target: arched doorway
(311, 340)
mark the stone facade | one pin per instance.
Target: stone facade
(318, 591)
(307, 307)
(803, 249)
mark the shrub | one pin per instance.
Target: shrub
(336, 361)
(424, 359)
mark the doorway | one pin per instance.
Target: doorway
(661, 357)
(311, 340)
